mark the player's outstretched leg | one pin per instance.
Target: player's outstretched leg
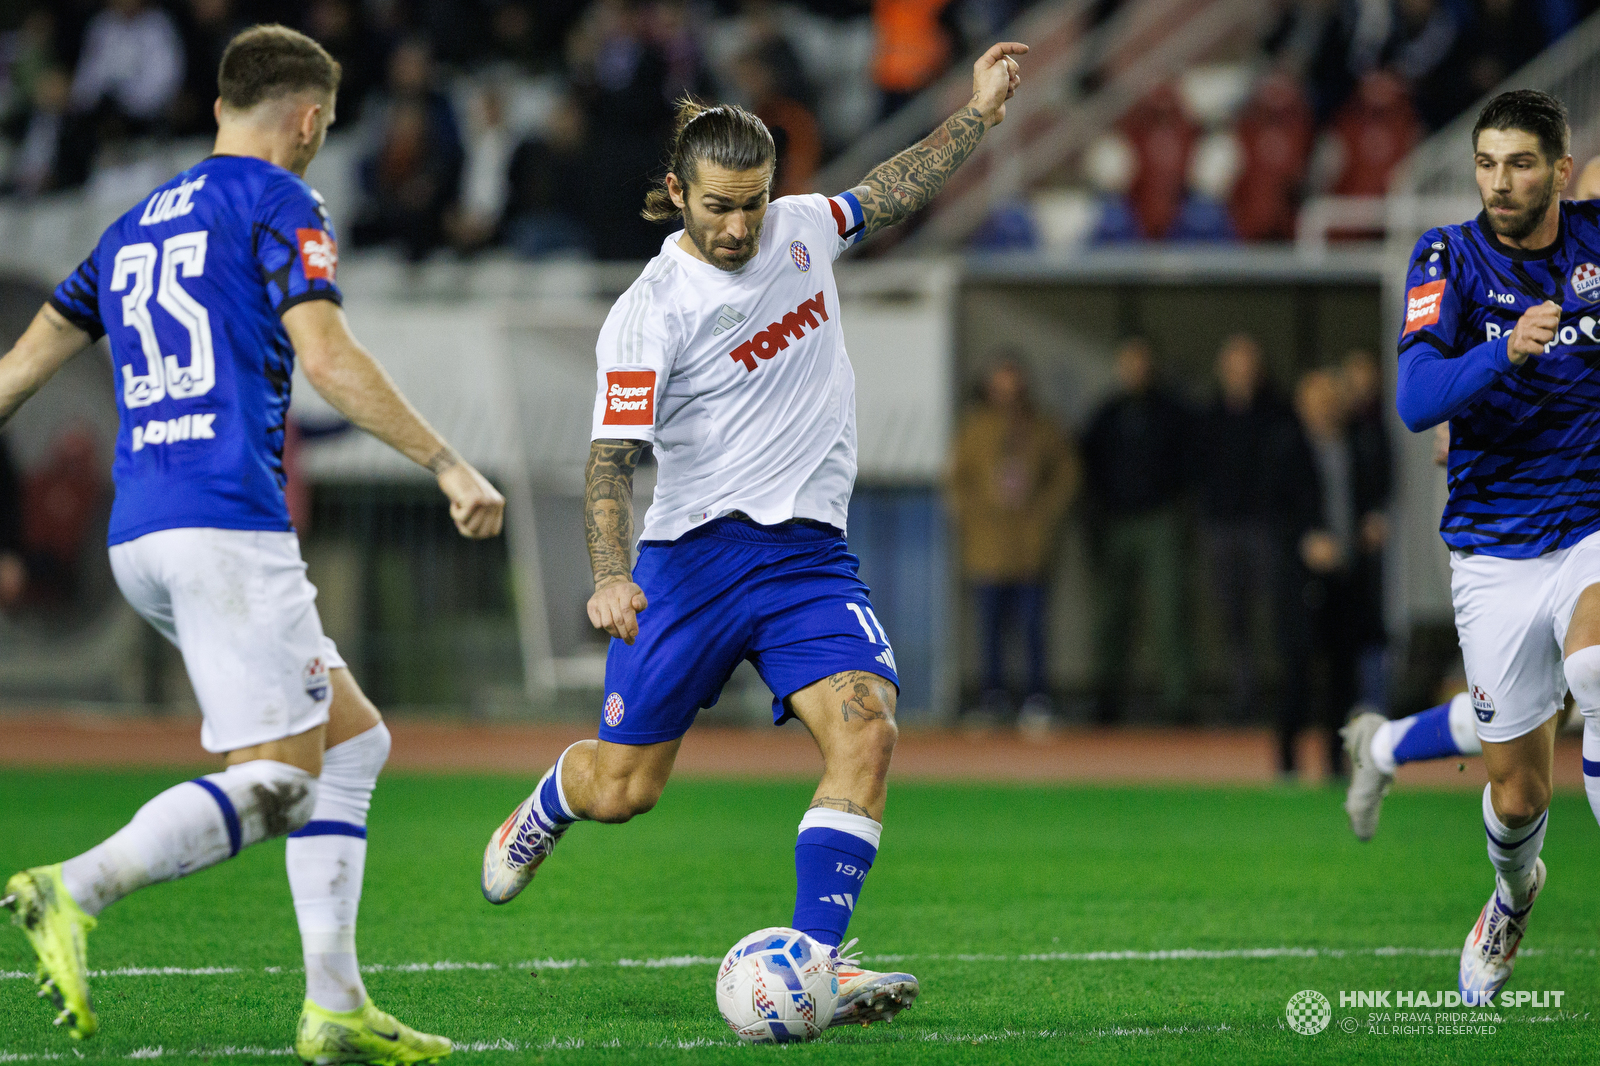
(851, 715)
(1582, 668)
(527, 837)
(1490, 951)
(186, 828)
(326, 859)
(1377, 746)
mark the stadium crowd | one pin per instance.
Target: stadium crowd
(1282, 498)
(506, 122)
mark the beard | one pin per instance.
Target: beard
(1521, 223)
(743, 251)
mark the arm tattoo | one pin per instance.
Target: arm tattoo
(897, 189)
(443, 460)
(608, 508)
(848, 806)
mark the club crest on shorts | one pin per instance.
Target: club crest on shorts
(800, 255)
(1482, 704)
(315, 678)
(613, 713)
(1586, 281)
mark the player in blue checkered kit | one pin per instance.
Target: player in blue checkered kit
(1501, 332)
(207, 291)
(727, 357)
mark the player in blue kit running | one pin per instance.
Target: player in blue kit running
(728, 357)
(1502, 339)
(208, 290)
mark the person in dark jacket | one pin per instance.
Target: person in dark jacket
(1135, 477)
(1245, 443)
(1373, 463)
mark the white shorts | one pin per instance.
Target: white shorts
(1511, 617)
(238, 606)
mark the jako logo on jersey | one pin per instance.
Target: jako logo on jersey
(614, 710)
(775, 338)
(1586, 281)
(171, 203)
(630, 398)
(1502, 297)
(319, 253)
(1422, 305)
(316, 679)
(171, 430)
(1482, 704)
(801, 257)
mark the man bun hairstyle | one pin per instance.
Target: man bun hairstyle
(1531, 111)
(725, 135)
(266, 62)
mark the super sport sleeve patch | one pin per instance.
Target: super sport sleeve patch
(1423, 305)
(630, 398)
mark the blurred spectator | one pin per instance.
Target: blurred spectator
(912, 48)
(622, 79)
(1134, 464)
(486, 176)
(207, 26)
(61, 500)
(337, 25)
(27, 55)
(1275, 134)
(127, 75)
(1316, 503)
(1013, 474)
(552, 188)
(414, 175)
(35, 168)
(1163, 139)
(1501, 40)
(1244, 439)
(1375, 131)
(13, 571)
(794, 128)
(1423, 52)
(1372, 462)
(1353, 42)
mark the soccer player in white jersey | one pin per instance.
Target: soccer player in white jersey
(208, 290)
(727, 357)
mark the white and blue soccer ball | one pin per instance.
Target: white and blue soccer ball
(777, 986)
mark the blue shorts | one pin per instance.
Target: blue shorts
(787, 598)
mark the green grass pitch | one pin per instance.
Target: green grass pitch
(996, 897)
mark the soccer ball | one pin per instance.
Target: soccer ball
(777, 986)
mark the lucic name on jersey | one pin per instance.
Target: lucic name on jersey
(1525, 449)
(189, 287)
(739, 378)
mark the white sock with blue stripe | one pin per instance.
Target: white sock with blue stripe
(1582, 668)
(1513, 851)
(327, 858)
(190, 827)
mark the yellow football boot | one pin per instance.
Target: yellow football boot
(365, 1035)
(57, 928)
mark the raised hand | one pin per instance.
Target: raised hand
(995, 77)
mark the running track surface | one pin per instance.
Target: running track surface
(1179, 756)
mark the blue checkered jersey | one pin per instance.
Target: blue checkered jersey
(188, 287)
(1524, 440)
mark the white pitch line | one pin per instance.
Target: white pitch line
(679, 961)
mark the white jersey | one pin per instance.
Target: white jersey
(739, 378)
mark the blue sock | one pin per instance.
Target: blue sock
(1427, 737)
(831, 859)
(551, 800)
